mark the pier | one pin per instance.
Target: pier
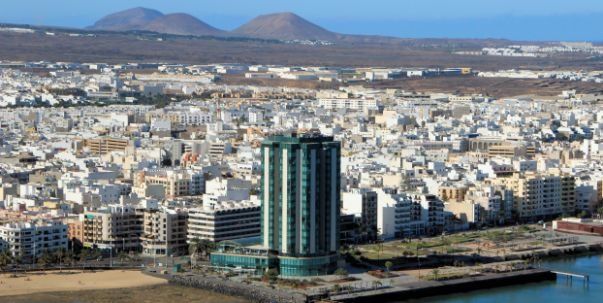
(570, 276)
(436, 288)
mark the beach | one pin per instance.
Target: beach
(55, 281)
(148, 294)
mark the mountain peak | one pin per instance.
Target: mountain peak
(181, 24)
(140, 18)
(286, 26)
(130, 19)
(281, 26)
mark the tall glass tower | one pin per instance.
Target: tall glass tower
(300, 194)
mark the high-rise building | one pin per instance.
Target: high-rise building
(301, 201)
(300, 194)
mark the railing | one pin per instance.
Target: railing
(570, 276)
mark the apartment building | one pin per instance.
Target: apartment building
(362, 203)
(180, 116)
(226, 220)
(116, 227)
(409, 215)
(398, 216)
(75, 230)
(432, 212)
(510, 150)
(544, 195)
(175, 183)
(32, 239)
(345, 103)
(103, 145)
(452, 193)
(164, 232)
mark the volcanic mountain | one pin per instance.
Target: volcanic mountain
(181, 24)
(151, 20)
(284, 26)
(280, 26)
(131, 19)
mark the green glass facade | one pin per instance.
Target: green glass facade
(314, 266)
(300, 195)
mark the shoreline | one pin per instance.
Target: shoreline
(420, 289)
(53, 281)
(425, 289)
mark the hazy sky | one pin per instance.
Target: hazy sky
(513, 19)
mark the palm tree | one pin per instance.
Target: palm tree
(45, 259)
(5, 260)
(123, 257)
(388, 266)
(377, 284)
(200, 248)
(435, 272)
(445, 245)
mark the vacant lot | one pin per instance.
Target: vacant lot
(494, 87)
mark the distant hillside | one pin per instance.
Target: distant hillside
(131, 19)
(279, 26)
(181, 24)
(284, 26)
(151, 20)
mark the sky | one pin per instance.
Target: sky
(575, 20)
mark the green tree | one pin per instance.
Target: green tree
(123, 257)
(341, 272)
(271, 275)
(200, 248)
(45, 259)
(435, 273)
(5, 260)
(336, 288)
(388, 265)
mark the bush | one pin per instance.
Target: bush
(341, 272)
(271, 275)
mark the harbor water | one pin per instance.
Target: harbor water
(561, 291)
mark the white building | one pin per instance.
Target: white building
(32, 239)
(402, 215)
(224, 221)
(346, 103)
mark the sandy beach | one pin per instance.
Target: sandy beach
(55, 281)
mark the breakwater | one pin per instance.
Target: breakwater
(251, 292)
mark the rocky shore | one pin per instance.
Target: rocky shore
(251, 292)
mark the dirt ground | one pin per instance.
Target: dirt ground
(32, 283)
(148, 294)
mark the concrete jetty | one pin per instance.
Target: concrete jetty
(435, 288)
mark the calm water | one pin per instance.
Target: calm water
(546, 292)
